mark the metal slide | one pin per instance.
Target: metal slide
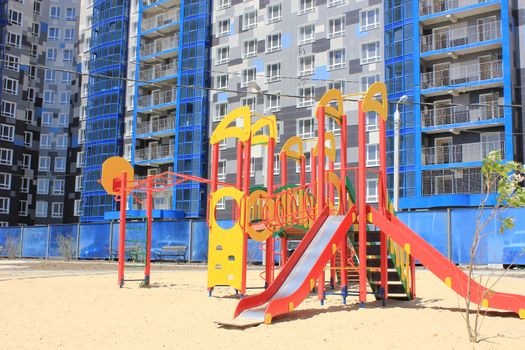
(296, 280)
(444, 269)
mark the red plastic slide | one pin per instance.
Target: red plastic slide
(296, 280)
(443, 268)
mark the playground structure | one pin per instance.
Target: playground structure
(329, 225)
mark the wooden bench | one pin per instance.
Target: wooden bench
(177, 251)
(135, 253)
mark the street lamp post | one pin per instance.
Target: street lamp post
(397, 128)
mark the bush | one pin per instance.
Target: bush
(11, 246)
(66, 247)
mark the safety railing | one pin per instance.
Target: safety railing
(152, 153)
(404, 263)
(459, 114)
(160, 45)
(161, 20)
(158, 72)
(428, 7)
(157, 98)
(156, 125)
(461, 36)
(467, 152)
(462, 74)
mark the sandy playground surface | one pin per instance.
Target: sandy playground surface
(79, 306)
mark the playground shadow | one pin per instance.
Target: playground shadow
(309, 313)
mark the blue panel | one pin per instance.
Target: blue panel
(199, 241)
(34, 242)
(222, 97)
(94, 241)
(259, 65)
(286, 40)
(432, 226)
(321, 73)
(9, 239)
(61, 233)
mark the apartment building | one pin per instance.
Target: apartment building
(38, 147)
(278, 56)
(457, 61)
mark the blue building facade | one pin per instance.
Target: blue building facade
(171, 99)
(455, 62)
(106, 101)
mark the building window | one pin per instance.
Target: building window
(307, 164)
(53, 33)
(23, 207)
(221, 172)
(252, 167)
(306, 65)
(6, 156)
(372, 155)
(337, 85)
(14, 17)
(280, 130)
(81, 135)
(66, 77)
(28, 139)
(222, 4)
(273, 103)
(305, 128)
(8, 109)
(61, 141)
(44, 163)
(63, 119)
(78, 183)
(42, 186)
(10, 86)
(221, 81)
(307, 98)
(36, 7)
(80, 159)
(274, 13)
(14, 40)
(248, 76)
(369, 19)
(306, 6)
(370, 52)
(221, 204)
(223, 28)
(221, 109)
(371, 122)
(34, 50)
(5, 181)
(273, 72)
(30, 116)
(7, 132)
(54, 12)
(307, 34)
(57, 210)
(45, 141)
(276, 164)
(31, 94)
(24, 186)
(65, 98)
(11, 63)
(273, 42)
(251, 102)
(26, 161)
(367, 81)
(35, 29)
(332, 126)
(336, 27)
(223, 54)
(49, 76)
(4, 205)
(69, 34)
(49, 97)
(77, 211)
(336, 59)
(41, 209)
(249, 20)
(58, 186)
(51, 54)
(332, 3)
(71, 14)
(47, 119)
(60, 164)
(223, 145)
(371, 191)
(249, 48)
(68, 55)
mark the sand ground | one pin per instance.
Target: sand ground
(79, 306)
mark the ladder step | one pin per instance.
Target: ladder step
(135, 241)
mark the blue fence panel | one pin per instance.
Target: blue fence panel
(431, 226)
(94, 241)
(463, 229)
(9, 239)
(171, 233)
(199, 241)
(509, 247)
(135, 235)
(34, 242)
(59, 232)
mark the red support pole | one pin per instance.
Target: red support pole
(343, 246)
(383, 206)
(313, 177)
(361, 195)
(270, 240)
(149, 218)
(246, 190)
(302, 167)
(284, 179)
(321, 182)
(331, 199)
(122, 227)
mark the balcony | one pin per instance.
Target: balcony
(435, 11)
(161, 23)
(461, 41)
(451, 115)
(160, 49)
(159, 73)
(158, 6)
(464, 153)
(452, 181)
(157, 127)
(462, 78)
(161, 100)
(155, 154)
